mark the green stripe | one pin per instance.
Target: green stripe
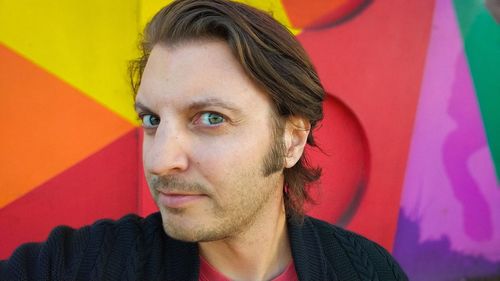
(481, 36)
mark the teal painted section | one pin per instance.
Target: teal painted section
(481, 36)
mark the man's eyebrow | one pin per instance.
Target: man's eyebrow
(196, 105)
(201, 104)
(141, 107)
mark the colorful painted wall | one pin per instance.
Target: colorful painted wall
(411, 145)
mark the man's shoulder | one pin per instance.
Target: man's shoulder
(324, 228)
(327, 231)
(66, 240)
(129, 223)
(365, 256)
(133, 245)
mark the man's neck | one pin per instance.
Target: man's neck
(261, 252)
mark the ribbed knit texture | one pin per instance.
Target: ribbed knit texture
(133, 248)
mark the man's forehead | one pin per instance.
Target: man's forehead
(200, 52)
(195, 75)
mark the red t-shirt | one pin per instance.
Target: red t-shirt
(209, 273)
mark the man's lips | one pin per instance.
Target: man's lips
(177, 199)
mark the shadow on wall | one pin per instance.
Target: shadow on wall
(344, 157)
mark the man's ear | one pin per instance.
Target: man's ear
(296, 131)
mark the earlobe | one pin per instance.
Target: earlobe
(296, 132)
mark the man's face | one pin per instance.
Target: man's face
(207, 134)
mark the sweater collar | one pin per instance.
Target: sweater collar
(308, 255)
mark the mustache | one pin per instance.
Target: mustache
(170, 184)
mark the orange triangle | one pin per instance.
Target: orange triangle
(103, 185)
(47, 126)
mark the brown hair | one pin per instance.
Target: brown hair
(270, 56)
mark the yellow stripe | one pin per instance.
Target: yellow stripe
(85, 43)
(149, 8)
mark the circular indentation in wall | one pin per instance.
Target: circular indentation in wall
(345, 162)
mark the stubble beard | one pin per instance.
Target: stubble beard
(239, 214)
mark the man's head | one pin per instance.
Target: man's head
(230, 99)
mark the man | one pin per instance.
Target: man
(228, 100)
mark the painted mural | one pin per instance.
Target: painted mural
(410, 140)
(449, 222)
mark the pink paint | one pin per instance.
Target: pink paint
(450, 185)
(466, 138)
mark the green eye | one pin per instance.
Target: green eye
(150, 121)
(211, 119)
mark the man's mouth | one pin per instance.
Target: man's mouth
(173, 199)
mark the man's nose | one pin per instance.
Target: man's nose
(165, 152)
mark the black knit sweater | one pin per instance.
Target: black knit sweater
(133, 248)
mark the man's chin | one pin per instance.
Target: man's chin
(179, 235)
(178, 227)
(190, 233)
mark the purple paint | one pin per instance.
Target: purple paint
(435, 260)
(450, 188)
